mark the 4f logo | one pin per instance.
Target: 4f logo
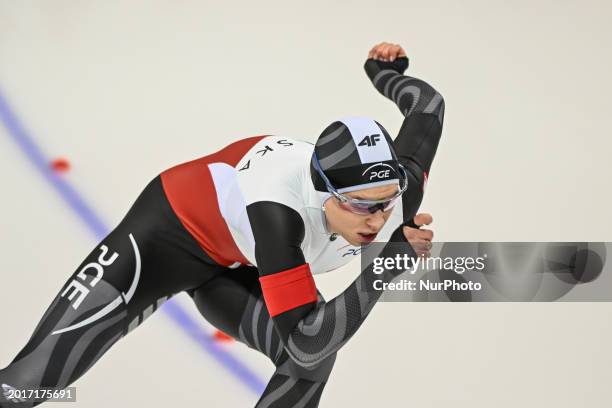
(370, 140)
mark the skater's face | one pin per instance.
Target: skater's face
(358, 229)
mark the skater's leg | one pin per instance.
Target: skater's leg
(145, 260)
(233, 303)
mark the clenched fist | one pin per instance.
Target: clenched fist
(386, 52)
(420, 238)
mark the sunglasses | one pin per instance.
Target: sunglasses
(359, 206)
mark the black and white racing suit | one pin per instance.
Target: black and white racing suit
(243, 232)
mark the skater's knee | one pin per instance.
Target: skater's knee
(318, 373)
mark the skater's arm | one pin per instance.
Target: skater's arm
(310, 330)
(423, 110)
(385, 66)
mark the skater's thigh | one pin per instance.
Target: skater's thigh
(147, 258)
(233, 302)
(224, 300)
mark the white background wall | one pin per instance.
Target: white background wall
(125, 89)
